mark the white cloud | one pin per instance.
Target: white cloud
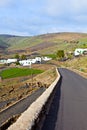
(60, 7)
(35, 16)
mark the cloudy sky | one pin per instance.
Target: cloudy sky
(33, 17)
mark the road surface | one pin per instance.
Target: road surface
(68, 110)
(19, 107)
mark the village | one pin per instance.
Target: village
(25, 62)
(38, 59)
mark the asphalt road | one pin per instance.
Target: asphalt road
(68, 110)
(19, 107)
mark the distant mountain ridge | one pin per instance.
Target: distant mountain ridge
(5, 40)
(7, 35)
(45, 43)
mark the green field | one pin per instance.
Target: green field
(18, 72)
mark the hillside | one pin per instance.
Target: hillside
(43, 44)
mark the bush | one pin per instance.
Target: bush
(60, 54)
(17, 63)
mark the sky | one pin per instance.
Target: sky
(35, 17)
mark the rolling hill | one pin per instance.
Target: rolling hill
(43, 44)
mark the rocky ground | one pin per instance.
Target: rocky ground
(12, 90)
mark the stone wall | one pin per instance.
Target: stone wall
(27, 119)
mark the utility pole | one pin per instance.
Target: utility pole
(31, 74)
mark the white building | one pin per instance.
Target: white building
(46, 58)
(28, 62)
(79, 51)
(25, 63)
(38, 59)
(11, 60)
(33, 61)
(8, 61)
(3, 61)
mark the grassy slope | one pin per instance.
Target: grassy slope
(3, 44)
(79, 63)
(22, 42)
(44, 44)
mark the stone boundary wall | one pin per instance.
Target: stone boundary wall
(27, 119)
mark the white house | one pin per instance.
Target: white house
(25, 63)
(38, 59)
(46, 58)
(79, 51)
(32, 61)
(28, 62)
(11, 60)
(8, 61)
(3, 61)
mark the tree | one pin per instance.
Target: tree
(17, 63)
(17, 56)
(0, 57)
(60, 54)
(23, 57)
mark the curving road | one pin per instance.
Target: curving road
(68, 110)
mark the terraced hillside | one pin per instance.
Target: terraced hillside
(44, 44)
